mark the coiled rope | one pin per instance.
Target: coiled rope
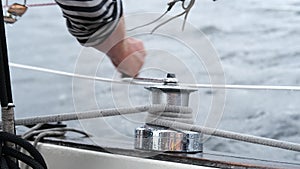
(40, 131)
(162, 122)
(8, 154)
(184, 115)
(38, 134)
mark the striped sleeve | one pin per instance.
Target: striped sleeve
(91, 21)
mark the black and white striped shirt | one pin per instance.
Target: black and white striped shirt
(91, 21)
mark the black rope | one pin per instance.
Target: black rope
(11, 163)
(5, 86)
(34, 159)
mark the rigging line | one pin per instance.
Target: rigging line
(42, 4)
(34, 5)
(167, 21)
(147, 81)
(242, 87)
(160, 122)
(186, 11)
(97, 114)
(229, 135)
(171, 5)
(74, 75)
(147, 24)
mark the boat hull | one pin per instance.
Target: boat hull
(61, 157)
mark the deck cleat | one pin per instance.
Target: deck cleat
(156, 138)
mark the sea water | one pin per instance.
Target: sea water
(257, 42)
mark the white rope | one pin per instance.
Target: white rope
(74, 75)
(159, 122)
(230, 135)
(242, 87)
(97, 114)
(183, 116)
(39, 69)
(147, 82)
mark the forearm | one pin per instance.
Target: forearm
(99, 24)
(91, 22)
(114, 44)
(126, 53)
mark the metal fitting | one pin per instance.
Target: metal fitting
(171, 79)
(156, 138)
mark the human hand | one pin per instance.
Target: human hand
(128, 56)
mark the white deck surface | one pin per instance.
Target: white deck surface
(59, 157)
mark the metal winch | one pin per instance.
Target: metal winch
(157, 138)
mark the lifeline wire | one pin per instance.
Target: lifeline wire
(146, 81)
(172, 124)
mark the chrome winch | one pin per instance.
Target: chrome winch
(157, 138)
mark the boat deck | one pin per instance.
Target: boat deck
(207, 159)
